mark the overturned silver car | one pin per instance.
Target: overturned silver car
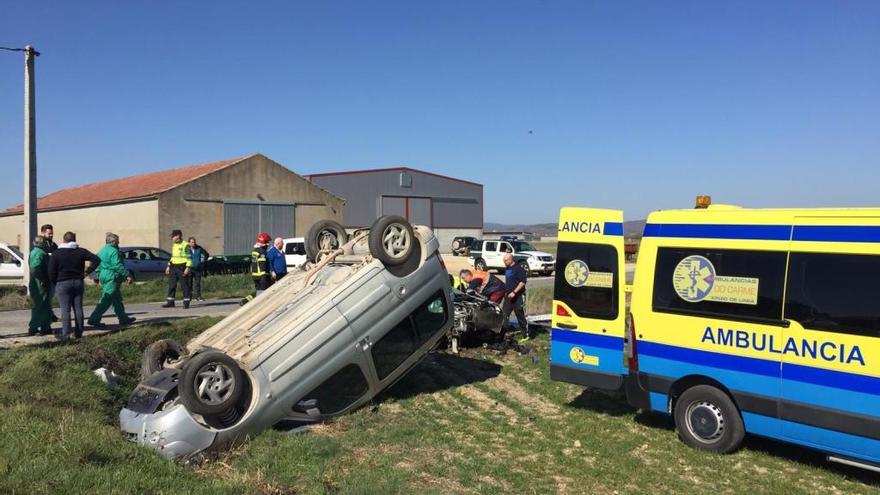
(318, 343)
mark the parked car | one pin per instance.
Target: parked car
(145, 263)
(295, 252)
(461, 245)
(490, 255)
(11, 265)
(317, 344)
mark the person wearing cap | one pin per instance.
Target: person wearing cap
(41, 297)
(111, 273)
(178, 269)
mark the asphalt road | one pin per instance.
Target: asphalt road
(13, 324)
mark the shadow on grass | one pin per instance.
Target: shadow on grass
(610, 403)
(440, 371)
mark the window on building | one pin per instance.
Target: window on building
(834, 292)
(409, 335)
(578, 263)
(725, 283)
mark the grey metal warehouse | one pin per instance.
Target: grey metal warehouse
(448, 205)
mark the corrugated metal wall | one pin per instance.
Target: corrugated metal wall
(242, 221)
(440, 202)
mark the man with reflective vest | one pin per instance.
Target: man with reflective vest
(260, 266)
(178, 269)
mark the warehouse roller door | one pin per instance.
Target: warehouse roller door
(242, 221)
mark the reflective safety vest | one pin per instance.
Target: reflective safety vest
(259, 263)
(181, 253)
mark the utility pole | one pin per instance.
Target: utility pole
(30, 159)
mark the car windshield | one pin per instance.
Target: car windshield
(16, 251)
(523, 246)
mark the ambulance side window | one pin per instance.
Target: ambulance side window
(834, 292)
(744, 267)
(591, 300)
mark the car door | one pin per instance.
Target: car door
(589, 312)
(10, 265)
(158, 262)
(491, 254)
(830, 383)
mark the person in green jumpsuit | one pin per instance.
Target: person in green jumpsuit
(111, 273)
(41, 309)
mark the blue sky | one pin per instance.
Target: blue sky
(632, 105)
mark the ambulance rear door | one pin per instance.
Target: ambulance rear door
(589, 305)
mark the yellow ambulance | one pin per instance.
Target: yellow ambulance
(761, 321)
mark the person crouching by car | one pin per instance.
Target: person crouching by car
(277, 261)
(484, 283)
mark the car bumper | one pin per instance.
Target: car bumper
(172, 432)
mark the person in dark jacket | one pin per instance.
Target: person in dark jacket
(259, 267)
(484, 283)
(515, 285)
(41, 310)
(277, 260)
(48, 232)
(67, 269)
(199, 258)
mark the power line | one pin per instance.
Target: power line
(19, 50)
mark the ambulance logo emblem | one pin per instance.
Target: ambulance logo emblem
(577, 355)
(576, 273)
(694, 278)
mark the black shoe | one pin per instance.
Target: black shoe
(97, 324)
(185, 304)
(32, 331)
(129, 321)
(47, 331)
(169, 304)
(55, 319)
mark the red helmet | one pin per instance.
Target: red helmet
(264, 238)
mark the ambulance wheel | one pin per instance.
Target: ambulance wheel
(480, 264)
(211, 383)
(706, 419)
(325, 235)
(392, 240)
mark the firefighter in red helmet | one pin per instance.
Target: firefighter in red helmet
(260, 266)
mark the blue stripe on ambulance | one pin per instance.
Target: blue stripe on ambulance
(820, 438)
(606, 348)
(613, 228)
(804, 233)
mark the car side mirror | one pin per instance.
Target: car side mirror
(17, 262)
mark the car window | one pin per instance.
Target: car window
(338, 392)
(588, 283)
(834, 292)
(294, 248)
(6, 256)
(409, 335)
(158, 254)
(727, 283)
(506, 248)
(135, 254)
(491, 246)
(523, 246)
(16, 251)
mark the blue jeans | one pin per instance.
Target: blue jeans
(70, 293)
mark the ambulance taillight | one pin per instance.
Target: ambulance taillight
(560, 311)
(632, 361)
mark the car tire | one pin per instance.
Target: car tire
(325, 234)
(525, 266)
(392, 240)
(480, 264)
(211, 383)
(456, 245)
(707, 419)
(157, 353)
(131, 274)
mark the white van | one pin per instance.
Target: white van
(295, 252)
(11, 265)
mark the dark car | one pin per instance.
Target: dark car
(461, 245)
(145, 263)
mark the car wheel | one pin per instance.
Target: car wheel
(325, 235)
(706, 419)
(211, 383)
(392, 240)
(131, 274)
(456, 245)
(525, 266)
(480, 264)
(158, 353)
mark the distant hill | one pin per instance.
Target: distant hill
(632, 228)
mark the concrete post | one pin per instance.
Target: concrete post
(30, 159)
